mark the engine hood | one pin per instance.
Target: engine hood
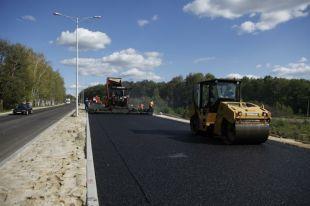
(246, 110)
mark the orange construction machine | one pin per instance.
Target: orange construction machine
(116, 100)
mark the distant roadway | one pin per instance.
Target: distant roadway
(146, 160)
(17, 130)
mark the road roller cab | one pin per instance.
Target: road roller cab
(218, 110)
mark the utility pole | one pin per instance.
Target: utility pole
(77, 68)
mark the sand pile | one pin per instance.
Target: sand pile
(50, 171)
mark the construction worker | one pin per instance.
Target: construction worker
(86, 103)
(151, 106)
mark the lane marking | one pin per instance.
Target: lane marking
(17, 152)
(92, 195)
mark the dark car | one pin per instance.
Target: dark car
(23, 108)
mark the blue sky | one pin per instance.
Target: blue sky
(160, 39)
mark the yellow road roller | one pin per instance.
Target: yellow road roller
(218, 111)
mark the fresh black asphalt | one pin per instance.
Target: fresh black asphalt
(17, 130)
(145, 160)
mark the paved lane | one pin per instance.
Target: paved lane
(145, 160)
(17, 130)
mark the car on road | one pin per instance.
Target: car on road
(23, 108)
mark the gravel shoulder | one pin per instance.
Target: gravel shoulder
(51, 170)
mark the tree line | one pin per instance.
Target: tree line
(27, 76)
(282, 96)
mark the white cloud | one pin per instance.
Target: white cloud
(203, 59)
(247, 26)
(270, 13)
(88, 40)
(130, 58)
(137, 74)
(28, 18)
(81, 86)
(94, 83)
(240, 76)
(300, 69)
(155, 17)
(252, 14)
(303, 59)
(143, 22)
(73, 86)
(127, 63)
(91, 66)
(259, 66)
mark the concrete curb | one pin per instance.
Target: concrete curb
(17, 152)
(289, 141)
(276, 139)
(92, 196)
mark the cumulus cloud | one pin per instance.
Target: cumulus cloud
(259, 66)
(203, 59)
(88, 40)
(91, 66)
(28, 18)
(128, 63)
(299, 69)
(130, 58)
(137, 74)
(240, 76)
(270, 13)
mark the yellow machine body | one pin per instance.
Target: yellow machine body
(234, 121)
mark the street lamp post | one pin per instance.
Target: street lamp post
(77, 20)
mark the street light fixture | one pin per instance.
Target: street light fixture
(77, 20)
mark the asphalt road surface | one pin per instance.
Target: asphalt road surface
(17, 130)
(145, 160)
